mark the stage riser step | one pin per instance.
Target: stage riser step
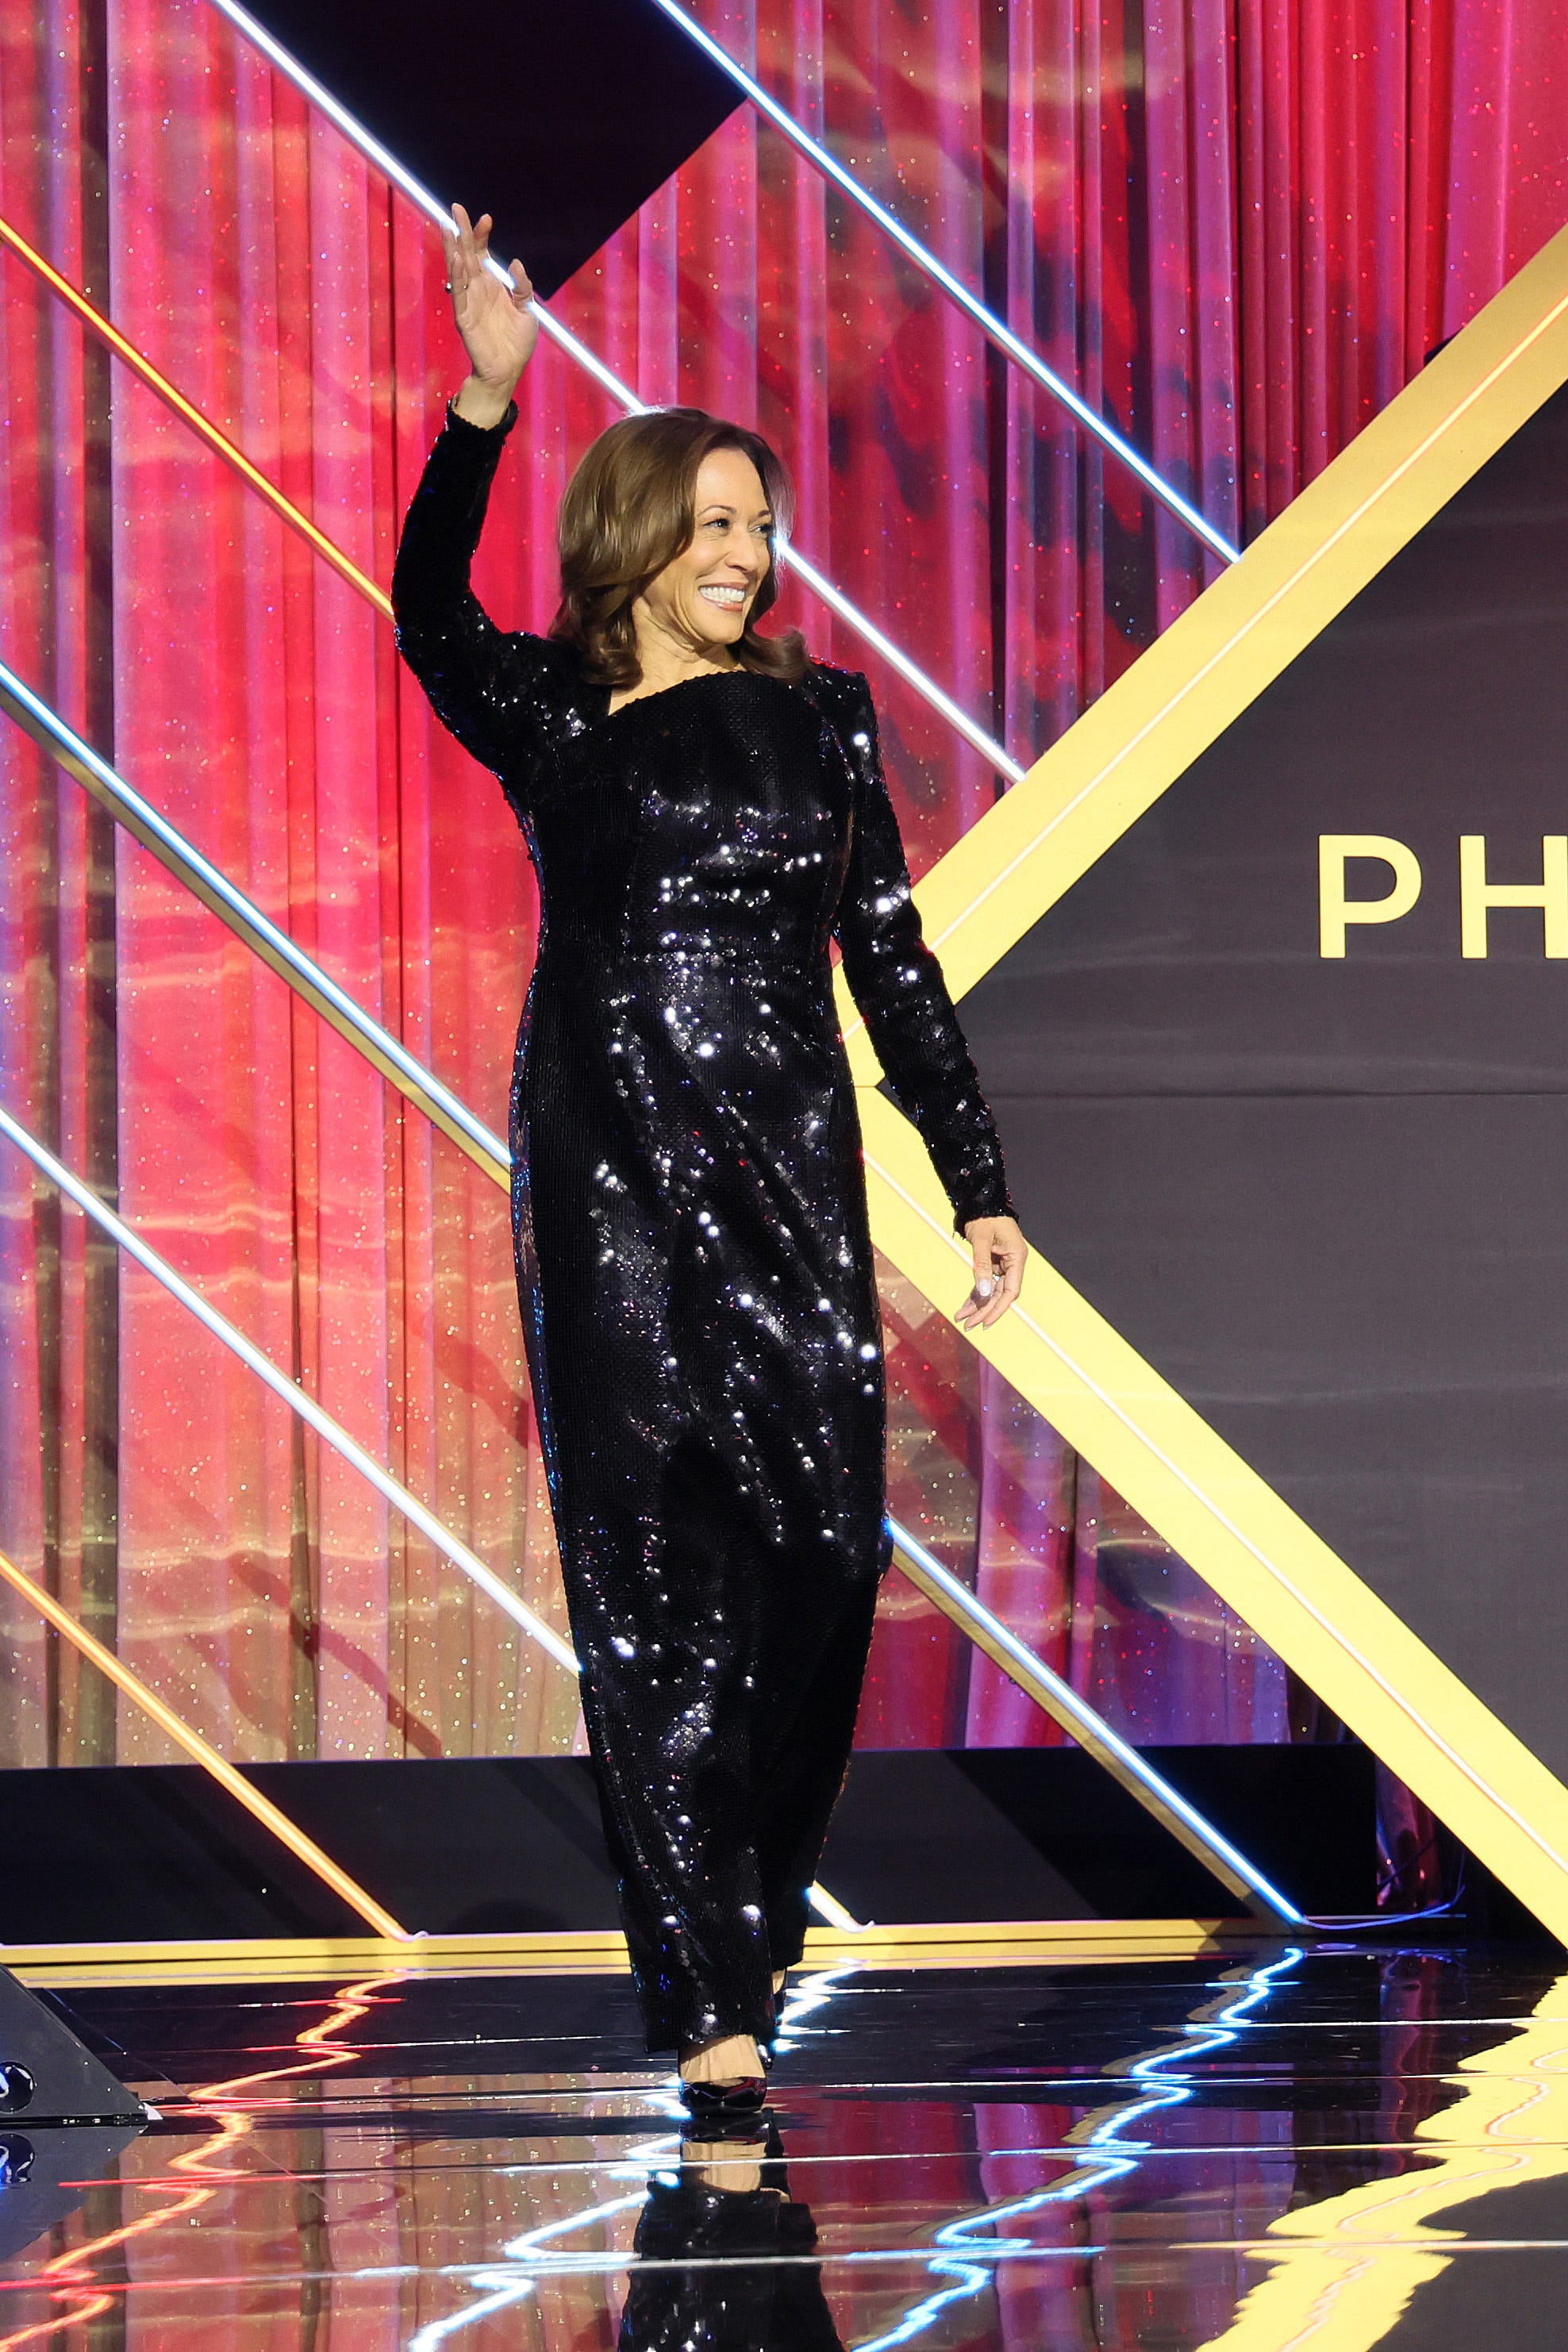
(507, 1845)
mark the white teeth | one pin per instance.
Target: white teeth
(723, 595)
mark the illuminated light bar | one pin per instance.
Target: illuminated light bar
(1001, 1642)
(1198, 1834)
(956, 717)
(828, 1909)
(226, 1774)
(575, 349)
(189, 413)
(969, 2261)
(995, 329)
(126, 1238)
(247, 921)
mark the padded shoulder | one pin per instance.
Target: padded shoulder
(844, 699)
(839, 694)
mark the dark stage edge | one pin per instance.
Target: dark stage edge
(510, 1846)
(1024, 2158)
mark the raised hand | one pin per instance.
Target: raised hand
(497, 326)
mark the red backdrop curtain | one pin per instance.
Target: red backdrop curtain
(1237, 228)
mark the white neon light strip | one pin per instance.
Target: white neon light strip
(420, 1084)
(996, 329)
(417, 194)
(839, 604)
(294, 1397)
(1095, 1726)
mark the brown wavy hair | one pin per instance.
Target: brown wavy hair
(630, 509)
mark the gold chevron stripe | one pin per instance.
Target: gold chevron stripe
(1023, 856)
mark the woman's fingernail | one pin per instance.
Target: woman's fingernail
(984, 1288)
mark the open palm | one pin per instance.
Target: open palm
(497, 324)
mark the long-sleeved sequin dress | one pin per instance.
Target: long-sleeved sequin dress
(694, 1262)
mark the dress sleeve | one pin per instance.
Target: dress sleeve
(488, 687)
(897, 985)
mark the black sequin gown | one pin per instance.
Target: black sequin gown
(693, 1258)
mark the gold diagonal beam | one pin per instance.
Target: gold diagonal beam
(226, 1774)
(1228, 1524)
(1144, 732)
(1215, 660)
(142, 367)
(1021, 858)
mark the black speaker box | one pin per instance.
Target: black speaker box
(64, 2119)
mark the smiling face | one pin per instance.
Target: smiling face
(701, 601)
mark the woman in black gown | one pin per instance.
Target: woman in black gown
(705, 812)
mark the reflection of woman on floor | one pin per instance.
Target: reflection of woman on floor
(706, 814)
(727, 2201)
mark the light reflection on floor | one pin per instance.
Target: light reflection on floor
(1331, 2148)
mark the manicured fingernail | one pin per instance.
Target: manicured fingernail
(984, 1288)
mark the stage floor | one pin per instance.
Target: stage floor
(1366, 2145)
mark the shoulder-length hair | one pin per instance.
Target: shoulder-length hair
(630, 509)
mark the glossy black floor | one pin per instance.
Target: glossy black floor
(1330, 2146)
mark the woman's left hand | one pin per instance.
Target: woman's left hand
(999, 1250)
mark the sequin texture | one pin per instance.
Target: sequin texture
(694, 1264)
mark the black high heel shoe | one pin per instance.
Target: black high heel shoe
(725, 2103)
(731, 2102)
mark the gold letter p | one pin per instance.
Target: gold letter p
(1335, 910)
